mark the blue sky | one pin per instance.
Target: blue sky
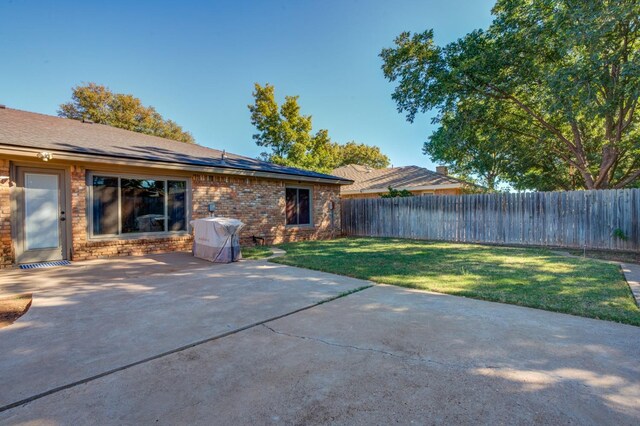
(197, 61)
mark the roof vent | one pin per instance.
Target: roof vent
(86, 120)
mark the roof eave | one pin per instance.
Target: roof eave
(101, 159)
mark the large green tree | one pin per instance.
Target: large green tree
(545, 98)
(100, 105)
(288, 137)
(362, 154)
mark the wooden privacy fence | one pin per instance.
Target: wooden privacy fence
(605, 219)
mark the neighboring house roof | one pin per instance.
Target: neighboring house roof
(368, 180)
(24, 130)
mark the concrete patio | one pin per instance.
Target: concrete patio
(381, 355)
(97, 316)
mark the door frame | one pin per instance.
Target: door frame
(17, 207)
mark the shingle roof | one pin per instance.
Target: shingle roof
(33, 130)
(368, 179)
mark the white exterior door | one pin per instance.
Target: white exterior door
(42, 228)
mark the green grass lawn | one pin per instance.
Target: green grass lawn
(255, 252)
(527, 277)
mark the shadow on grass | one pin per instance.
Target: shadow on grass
(528, 277)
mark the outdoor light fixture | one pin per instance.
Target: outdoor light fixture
(45, 156)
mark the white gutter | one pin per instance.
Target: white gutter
(96, 158)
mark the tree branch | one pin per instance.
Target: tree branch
(627, 180)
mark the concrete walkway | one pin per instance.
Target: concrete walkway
(632, 275)
(381, 355)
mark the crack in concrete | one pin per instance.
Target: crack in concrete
(380, 351)
(456, 366)
(177, 350)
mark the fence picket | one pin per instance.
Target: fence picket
(573, 219)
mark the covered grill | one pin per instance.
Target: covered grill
(216, 239)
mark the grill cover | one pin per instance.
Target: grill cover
(216, 239)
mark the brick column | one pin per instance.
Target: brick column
(6, 250)
(78, 211)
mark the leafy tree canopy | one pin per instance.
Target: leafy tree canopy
(100, 105)
(364, 155)
(545, 98)
(287, 134)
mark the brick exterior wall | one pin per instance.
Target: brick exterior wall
(6, 253)
(95, 249)
(84, 248)
(259, 203)
(78, 212)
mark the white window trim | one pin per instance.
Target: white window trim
(136, 235)
(311, 199)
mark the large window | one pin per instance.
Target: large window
(125, 205)
(298, 206)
